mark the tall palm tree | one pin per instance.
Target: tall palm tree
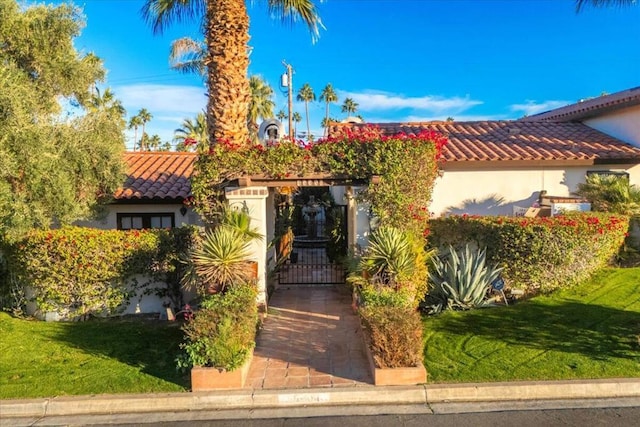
(226, 32)
(135, 123)
(296, 118)
(145, 117)
(281, 115)
(581, 4)
(106, 101)
(260, 105)
(193, 130)
(306, 94)
(349, 106)
(329, 96)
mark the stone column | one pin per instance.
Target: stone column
(255, 199)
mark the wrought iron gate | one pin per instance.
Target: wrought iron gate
(319, 243)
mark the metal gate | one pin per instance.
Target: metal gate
(318, 245)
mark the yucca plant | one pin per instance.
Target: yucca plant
(240, 220)
(461, 280)
(389, 258)
(220, 261)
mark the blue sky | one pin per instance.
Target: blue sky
(400, 60)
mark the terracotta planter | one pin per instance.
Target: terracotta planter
(393, 376)
(206, 379)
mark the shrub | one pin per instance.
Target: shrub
(222, 332)
(461, 280)
(78, 271)
(537, 254)
(394, 335)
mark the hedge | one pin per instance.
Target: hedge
(538, 254)
(79, 271)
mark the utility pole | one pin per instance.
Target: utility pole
(287, 81)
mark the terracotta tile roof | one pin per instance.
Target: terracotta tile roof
(498, 141)
(161, 176)
(590, 108)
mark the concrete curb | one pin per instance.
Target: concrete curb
(305, 398)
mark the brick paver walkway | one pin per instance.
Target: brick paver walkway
(310, 338)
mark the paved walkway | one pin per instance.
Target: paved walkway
(310, 338)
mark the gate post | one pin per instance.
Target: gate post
(255, 199)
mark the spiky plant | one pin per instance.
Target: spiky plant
(461, 280)
(389, 258)
(240, 220)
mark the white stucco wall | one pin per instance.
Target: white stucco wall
(622, 124)
(496, 191)
(110, 222)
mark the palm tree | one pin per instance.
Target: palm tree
(193, 130)
(145, 116)
(297, 118)
(349, 106)
(611, 193)
(188, 56)
(328, 95)
(135, 123)
(154, 142)
(581, 4)
(307, 95)
(260, 105)
(106, 102)
(226, 32)
(281, 115)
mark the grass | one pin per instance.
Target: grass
(589, 331)
(46, 359)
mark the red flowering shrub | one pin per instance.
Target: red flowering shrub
(538, 254)
(76, 271)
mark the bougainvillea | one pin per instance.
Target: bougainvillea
(406, 164)
(538, 254)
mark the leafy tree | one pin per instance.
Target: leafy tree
(193, 133)
(306, 94)
(581, 4)
(55, 167)
(226, 32)
(349, 106)
(260, 104)
(329, 96)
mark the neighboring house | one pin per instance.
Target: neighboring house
(154, 193)
(496, 167)
(617, 115)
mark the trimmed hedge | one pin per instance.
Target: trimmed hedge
(77, 271)
(394, 335)
(538, 254)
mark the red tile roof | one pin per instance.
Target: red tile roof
(499, 141)
(160, 176)
(590, 108)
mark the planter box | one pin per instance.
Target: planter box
(206, 379)
(393, 376)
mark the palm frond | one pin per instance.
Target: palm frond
(295, 10)
(581, 4)
(160, 14)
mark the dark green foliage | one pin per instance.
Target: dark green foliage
(222, 333)
(394, 335)
(538, 254)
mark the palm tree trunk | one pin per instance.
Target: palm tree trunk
(326, 120)
(306, 109)
(135, 137)
(228, 62)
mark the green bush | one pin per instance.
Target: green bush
(78, 271)
(222, 333)
(538, 254)
(394, 335)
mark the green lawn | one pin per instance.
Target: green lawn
(40, 359)
(590, 331)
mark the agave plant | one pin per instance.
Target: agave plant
(389, 258)
(240, 220)
(222, 260)
(461, 280)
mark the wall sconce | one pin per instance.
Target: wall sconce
(183, 210)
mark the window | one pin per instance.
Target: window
(137, 221)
